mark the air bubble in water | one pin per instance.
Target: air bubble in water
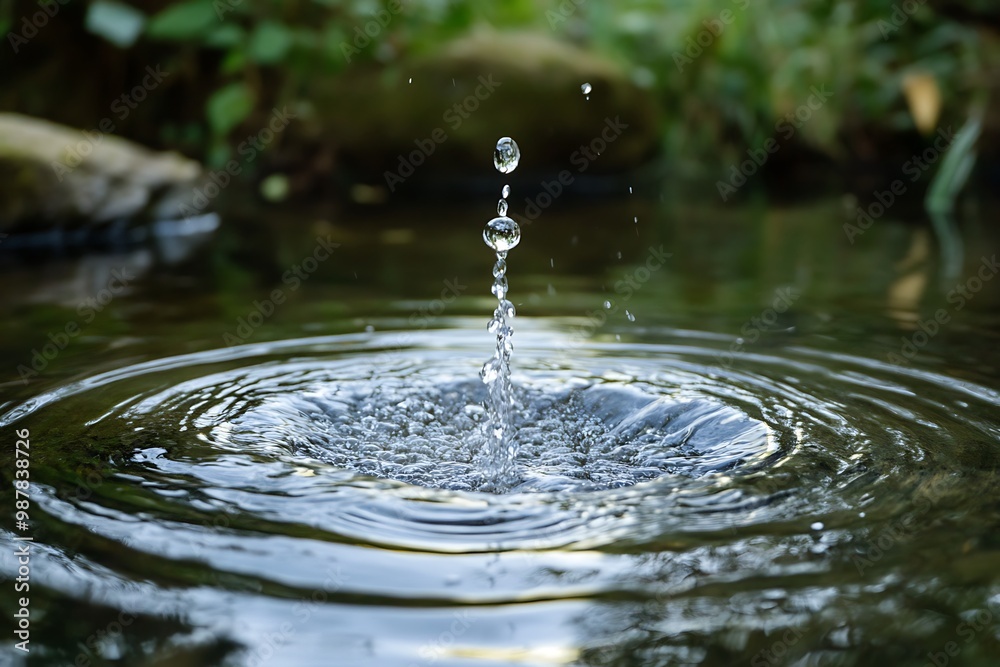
(502, 234)
(506, 155)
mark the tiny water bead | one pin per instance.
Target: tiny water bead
(586, 88)
(502, 233)
(506, 156)
(505, 192)
(502, 207)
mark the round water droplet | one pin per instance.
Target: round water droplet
(506, 191)
(502, 207)
(502, 234)
(636, 220)
(630, 316)
(607, 305)
(818, 525)
(586, 88)
(506, 156)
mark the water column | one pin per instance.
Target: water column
(501, 234)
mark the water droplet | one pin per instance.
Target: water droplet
(630, 316)
(491, 370)
(411, 79)
(636, 220)
(506, 191)
(369, 328)
(502, 234)
(502, 207)
(607, 305)
(619, 254)
(507, 308)
(630, 189)
(552, 262)
(506, 156)
(586, 88)
(818, 525)
(861, 514)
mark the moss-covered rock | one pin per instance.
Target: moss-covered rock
(472, 91)
(53, 174)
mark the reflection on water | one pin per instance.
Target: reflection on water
(719, 481)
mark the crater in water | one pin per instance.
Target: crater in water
(572, 433)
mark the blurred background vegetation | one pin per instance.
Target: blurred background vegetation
(714, 76)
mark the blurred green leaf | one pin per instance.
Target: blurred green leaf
(119, 24)
(269, 43)
(183, 21)
(225, 36)
(228, 107)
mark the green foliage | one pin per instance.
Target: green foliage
(228, 107)
(727, 71)
(190, 20)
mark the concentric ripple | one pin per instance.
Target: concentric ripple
(361, 452)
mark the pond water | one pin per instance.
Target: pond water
(743, 439)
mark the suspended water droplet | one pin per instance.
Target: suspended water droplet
(552, 262)
(411, 79)
(502, 234)
(586, 88)
(505, 191)
(630, 189)
(502, 207)
(818, 525)
(607, 305)
(636, 220)
(491, 370)
(506, 156)
(630, 316)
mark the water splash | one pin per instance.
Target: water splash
(501, 235)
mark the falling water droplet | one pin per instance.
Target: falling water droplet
(411, 79)
(630, 316)
(586, 88)
(635, 220)
(502, 207)
(505, 191)
(607, 305)
(506, 155)
(630, 189)
(818, 525)
(502, 234)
